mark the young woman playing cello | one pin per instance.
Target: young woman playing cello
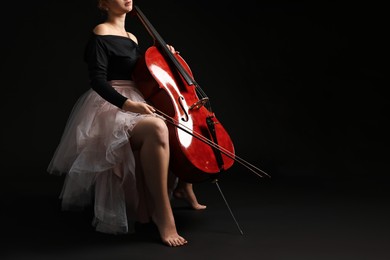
(114, 149)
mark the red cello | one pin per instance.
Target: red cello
(200, 146)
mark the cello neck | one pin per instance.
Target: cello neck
(163, 46)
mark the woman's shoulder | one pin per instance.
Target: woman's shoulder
(101, 29)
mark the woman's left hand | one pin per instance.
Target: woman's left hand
(172, 49)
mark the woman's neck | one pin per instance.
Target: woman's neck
(117, 22)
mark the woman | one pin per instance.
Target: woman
(114, 149)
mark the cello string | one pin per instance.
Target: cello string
(248, 165)
(189, 79)
(200, 90)
(202, 94)
(199, 136)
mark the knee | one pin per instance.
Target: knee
(159, 131)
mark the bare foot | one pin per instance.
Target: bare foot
(187, 193)
(168, 232)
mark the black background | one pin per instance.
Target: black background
(299, 86)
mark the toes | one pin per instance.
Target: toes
(183, 241)
(201, 207)
(176, 242)
(179, 242)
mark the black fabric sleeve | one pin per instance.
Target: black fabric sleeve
(96, 57)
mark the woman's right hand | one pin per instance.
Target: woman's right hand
(138, 107)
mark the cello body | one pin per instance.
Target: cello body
(200, 147)
(196, 137)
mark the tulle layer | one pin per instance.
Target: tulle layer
(96, 156)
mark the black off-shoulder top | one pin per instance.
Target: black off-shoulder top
(110, 57)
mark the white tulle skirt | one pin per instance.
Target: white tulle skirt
(96, 155)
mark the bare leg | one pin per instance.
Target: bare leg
(185, 191)
(150, 138)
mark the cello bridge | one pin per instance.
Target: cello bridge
(199, 104)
